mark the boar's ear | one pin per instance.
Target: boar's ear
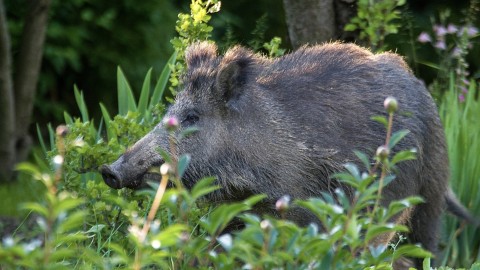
(200, 52)
(230, 79)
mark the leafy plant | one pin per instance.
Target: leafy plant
(462, 127)
(451, 43)
(191, 28)
(88, 146)
(59, 218)
(273, 47)
(375, 20)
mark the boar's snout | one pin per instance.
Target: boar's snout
(111, 178)
(133, 168)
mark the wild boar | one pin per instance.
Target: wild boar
(283, 126)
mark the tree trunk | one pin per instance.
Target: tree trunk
(17, 96)
(7, 116)
(309, 21)
(317, 21)
(27, 72)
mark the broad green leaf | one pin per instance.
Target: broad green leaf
(35, 207)
(203, 187)
(119, 250)
(223, 215)
(170, 235)
(111, 134)
(327, 260)
(62, 254)
(81, 104)
(187, 132)
(396, 137)
(377, 230)
(126, 100)
(363, 158)
(98, 133)
(252, 200)
(411, 251)
(144, 95)
(397, 206)
(41, 141)
(68, 118)
(353, 170)
(183, 164)
(350, 27)
(165, 155)
(426, 264)
(346, 178)
(28, 168)
(162, 82)
(316, 246)
(380, 119)
(404, 156)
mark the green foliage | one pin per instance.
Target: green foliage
(258, 34)
(59, 218)
(87, 146)
(462, 126)
(375, 20)
(273, 47)
(85, 40)
(191, 28)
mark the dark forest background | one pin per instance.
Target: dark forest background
(87, 40)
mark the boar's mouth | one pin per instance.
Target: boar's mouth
(117, 176)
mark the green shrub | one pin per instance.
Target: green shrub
(375, 20)
(462, 126)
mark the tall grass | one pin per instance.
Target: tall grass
(462, 129)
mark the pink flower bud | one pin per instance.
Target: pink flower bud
(62, 130)
(171, 123)
(283, 203)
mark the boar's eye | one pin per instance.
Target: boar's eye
(190, 119)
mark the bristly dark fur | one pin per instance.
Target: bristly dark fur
(283, 126)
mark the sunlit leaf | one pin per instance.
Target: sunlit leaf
(396, 137)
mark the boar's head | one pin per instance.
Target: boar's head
(231, 141)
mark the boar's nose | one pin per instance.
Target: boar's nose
(111, 178)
